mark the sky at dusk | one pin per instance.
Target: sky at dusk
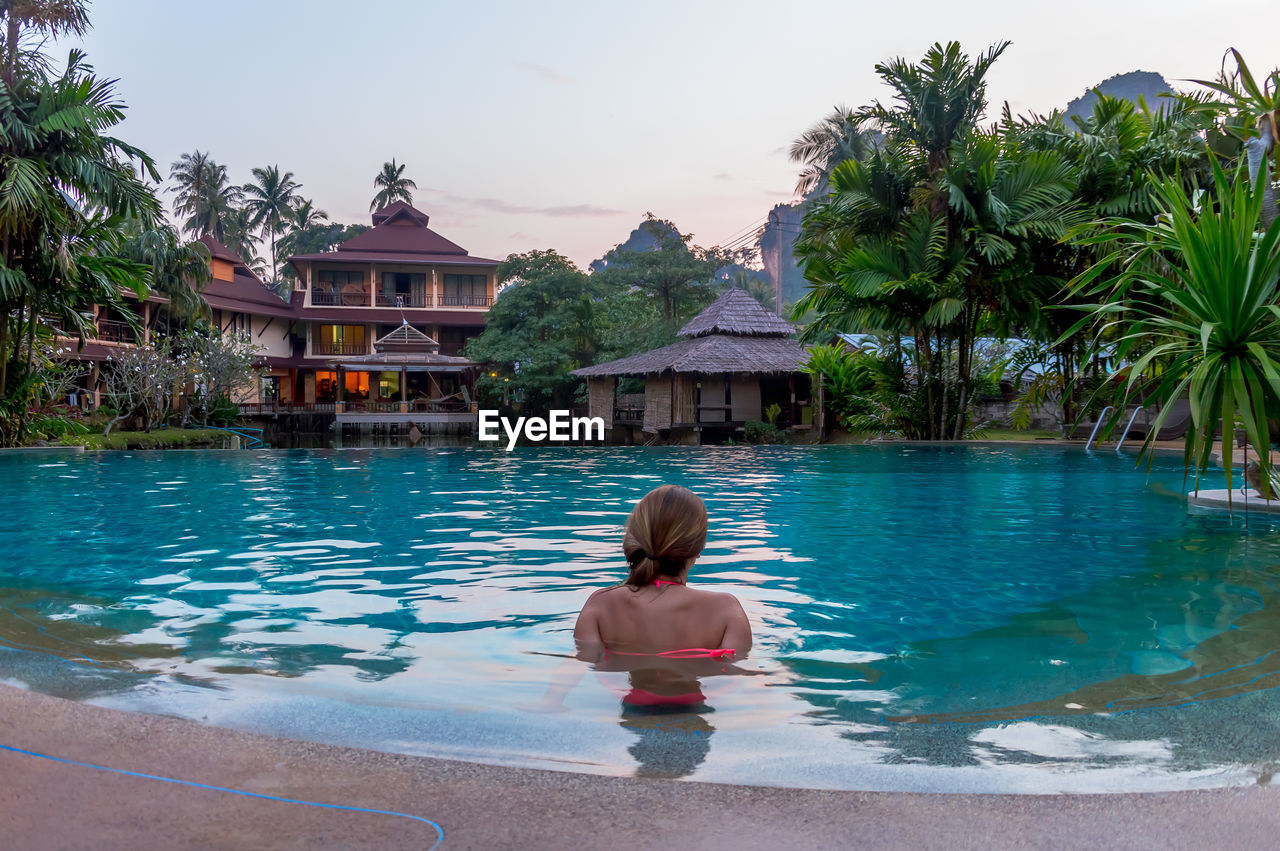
(559, 124)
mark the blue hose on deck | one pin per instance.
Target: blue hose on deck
(439, 831)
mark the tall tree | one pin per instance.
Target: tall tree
(838, 137)
(177, 270)
(69, 189)
(269, 202)
(203, 193)
(539, 330)
(932, 234)
(47, 17)
(675, 273)
(392, 186)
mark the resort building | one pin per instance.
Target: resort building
(398, 273)
(737, 359)
(240, 303)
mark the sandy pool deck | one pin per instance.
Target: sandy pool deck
(47, 805)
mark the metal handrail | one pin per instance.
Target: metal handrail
(1137, 411)
(252, 441)
(1097, 426)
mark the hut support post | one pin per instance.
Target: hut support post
(821, 419)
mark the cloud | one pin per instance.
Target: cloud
(550, 75)
(494, 205)
(518, 235)
(722, 176)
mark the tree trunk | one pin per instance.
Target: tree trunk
(1258, 152)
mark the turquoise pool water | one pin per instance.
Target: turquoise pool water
(1019, 618)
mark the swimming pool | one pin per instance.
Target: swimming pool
(976, 618)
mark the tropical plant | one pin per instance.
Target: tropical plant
(49, 18)
(757, 431)
(838, 137)
(177, 270)
(932, 236)
(269, 202)
(1195, 306)
(1258, 105)
(203, 194)
(539, 330)
(675, 273)
(847, 376)
(392, 186)
(237, 236)
(305, 226)
(67, 193)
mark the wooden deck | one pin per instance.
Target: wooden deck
(415, 417)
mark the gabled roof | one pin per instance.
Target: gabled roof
(399, 235)
(400, 210)
(245, 293)
(405, 338)
(737, 313)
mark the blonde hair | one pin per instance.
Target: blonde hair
(665, 530)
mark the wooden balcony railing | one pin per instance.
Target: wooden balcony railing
(465, 301)
(403, 299)
(342, 347)
(114, 331)
(330, 298)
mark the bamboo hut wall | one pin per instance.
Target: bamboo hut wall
(711, 401)
(684, 408)
(744, 393)
(600, 399)
(657, 402)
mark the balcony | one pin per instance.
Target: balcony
(341, 347)
(403, 299)
(113, 331)
(339, 298)
(465, 301)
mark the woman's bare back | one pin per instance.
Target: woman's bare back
(657, 619)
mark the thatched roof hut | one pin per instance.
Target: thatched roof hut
(734, 335)
(736, 358)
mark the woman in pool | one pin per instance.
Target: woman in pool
(654, 613)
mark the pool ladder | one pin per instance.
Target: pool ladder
(1124, 436)
(1102, 416)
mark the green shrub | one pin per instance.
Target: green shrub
(756, 431)
(223, 412)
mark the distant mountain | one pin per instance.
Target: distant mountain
(1136, 84)
(777, 251)
(647, 236)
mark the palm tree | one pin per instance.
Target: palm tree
(269, 202)
(392, 186)
(237, 236)
(178, 271)
(1196, 299)
(836, 138)
(304, 219)
(203, 193)
(68, 191)
(50, 17)
(930, 235)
